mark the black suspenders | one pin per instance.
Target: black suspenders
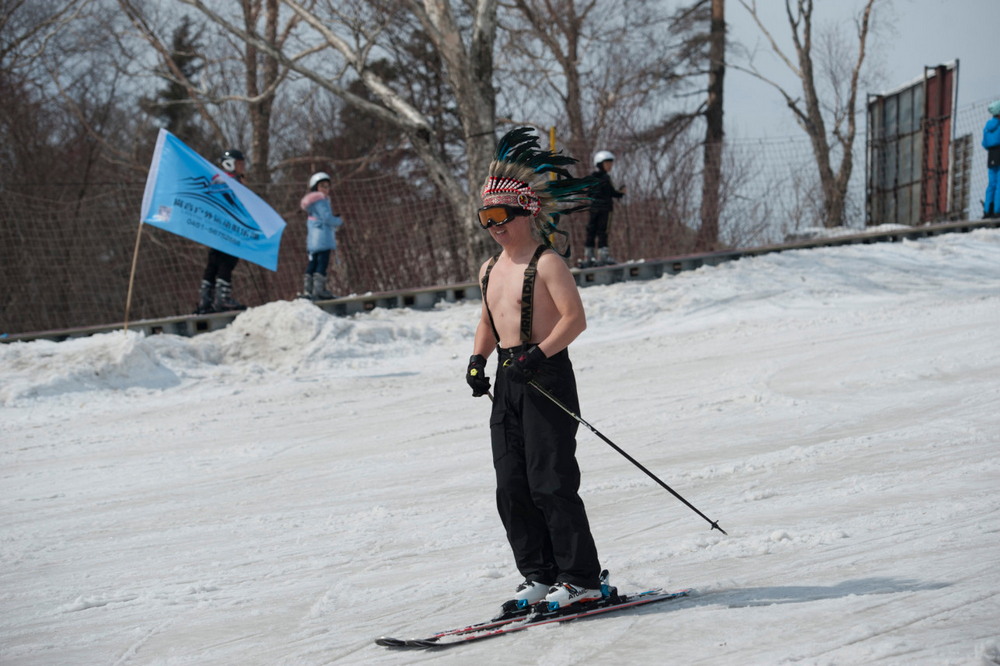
(527, 292)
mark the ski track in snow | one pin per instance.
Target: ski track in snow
(287, 489)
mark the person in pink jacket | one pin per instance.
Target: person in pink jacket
(321, 236)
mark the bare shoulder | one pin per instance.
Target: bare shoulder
(552, 270)
(556, 276)
(552, 263)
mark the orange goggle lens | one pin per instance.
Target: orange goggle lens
(496, 216)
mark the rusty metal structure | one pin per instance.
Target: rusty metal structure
(914, 174)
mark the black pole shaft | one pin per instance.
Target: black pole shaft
(714, 524)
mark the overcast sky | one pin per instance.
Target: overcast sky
(926, 32)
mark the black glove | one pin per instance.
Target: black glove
(476, 376)
(522, 368)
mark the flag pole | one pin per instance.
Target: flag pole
(131, 277)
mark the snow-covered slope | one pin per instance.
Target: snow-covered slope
(287, 489)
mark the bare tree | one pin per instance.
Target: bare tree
(55, 77)
(599, 70)
(631, 74)
(340, 40)
(808, 107)
(30, 40)
(27, 27)
(260, 72)
(538, 30)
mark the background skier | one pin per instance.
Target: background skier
(321, 237)
(601, 207)
(991, 142)
(216, 292)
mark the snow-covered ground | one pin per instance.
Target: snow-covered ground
(287, 489)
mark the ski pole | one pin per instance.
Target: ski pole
(555, 401)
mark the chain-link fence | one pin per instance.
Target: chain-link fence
(65, 260)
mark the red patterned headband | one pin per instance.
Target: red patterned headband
(502, 191)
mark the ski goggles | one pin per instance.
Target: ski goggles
(497, 216)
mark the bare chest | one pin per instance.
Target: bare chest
(512, 297)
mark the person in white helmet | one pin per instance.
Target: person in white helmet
(321, 237)
(601, 206)
(216, 292)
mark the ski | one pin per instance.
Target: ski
(528, 619)
(499, 621)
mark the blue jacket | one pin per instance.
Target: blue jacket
(991, 133)
(322, 223)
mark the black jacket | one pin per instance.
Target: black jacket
(603, 193)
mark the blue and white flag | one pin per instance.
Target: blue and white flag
(189, 196)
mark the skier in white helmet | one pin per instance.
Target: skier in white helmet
(602, 204)
(321, 237)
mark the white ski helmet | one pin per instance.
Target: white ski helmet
(318, 178)
(603, 156)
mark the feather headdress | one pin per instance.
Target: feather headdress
(519, 175)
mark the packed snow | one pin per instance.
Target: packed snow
(287, 489)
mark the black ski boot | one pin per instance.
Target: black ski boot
(319, 290)
(224, 300)
(206, 298)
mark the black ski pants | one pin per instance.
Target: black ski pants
(538, 477)
(219, 265)
(597, 228)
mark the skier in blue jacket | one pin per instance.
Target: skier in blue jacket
(321, 236)
(991, 142)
